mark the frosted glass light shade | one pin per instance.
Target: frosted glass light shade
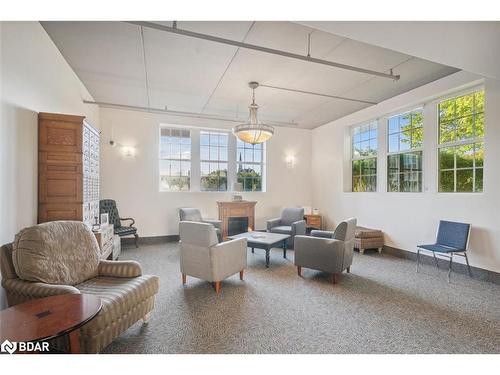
(253, 134)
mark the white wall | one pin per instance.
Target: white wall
(34, 78)
(133, 182)
(409, 219)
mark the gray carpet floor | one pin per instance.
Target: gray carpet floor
(382, 306)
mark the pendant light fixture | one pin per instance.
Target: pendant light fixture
(253, 131)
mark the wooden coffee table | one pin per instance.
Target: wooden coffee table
(50, 317)
(264, 240)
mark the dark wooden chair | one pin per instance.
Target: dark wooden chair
(109, 206)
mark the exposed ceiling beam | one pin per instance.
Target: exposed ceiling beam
(192, 34)
(317, 94)
(183, 114)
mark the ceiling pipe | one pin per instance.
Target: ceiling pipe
(318, 94)
(192, 34)
(182, 113)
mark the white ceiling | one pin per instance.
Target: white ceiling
(193, 75)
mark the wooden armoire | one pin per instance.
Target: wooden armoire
(68, 168)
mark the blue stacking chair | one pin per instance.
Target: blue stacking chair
(452, 238)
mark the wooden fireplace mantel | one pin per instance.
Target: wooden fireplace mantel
(236, 209)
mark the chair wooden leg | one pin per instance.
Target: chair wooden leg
(217, 287)
(335, 278)
(299, 270)
(349, 269)
(241, 274)
(136, 240)
(184, 279)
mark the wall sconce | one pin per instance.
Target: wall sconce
(290, 161)
(128, 151)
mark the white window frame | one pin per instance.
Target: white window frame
(470, 141)
(195, 178)
(400, 152)
(217, 161)
(180, 160)
(262, 165)
(360, 158)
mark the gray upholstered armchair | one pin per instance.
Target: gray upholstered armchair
(193, 214)
(203, 257)
(327, 251)
(62, 257)
(291, 222)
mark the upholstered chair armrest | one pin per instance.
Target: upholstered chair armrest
(322, 233)
(228, 258)
(323, 254)
(299, 227)
(121, 268)
(35, 289)
(273, 223)
(215, 223)
(128, 219)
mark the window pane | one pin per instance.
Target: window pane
(164, 149)
(464, 105)
(356, 151)
(404, 140)
(465, 156)
(223, 153)
(204, 169)
(465, 128)
(479, 101)
(393, 182)
(446, 158)
(223, 139)
(204, 139)
(356, 167)
(175, 168)
(394, 125)
(356, 184)
(214, 153)
(446, 132)
(405, 121)
(446, 181)
(176, 151)
(185, 168)
(364, 148)
(479, 125)
(464, 180)
(478, 154)
(185, 151)
(239, 155)
(394, 143)
(257, 156)
(373, 146)
(479, 180)
(214, 139)
(248, 155)
(446, 110)
(417, 138)
(417, 119)
(204, 153)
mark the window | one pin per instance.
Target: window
(250, 165)
(213, 159)
(404, 162)
(461, 147)
(175, 159)
(364, 157)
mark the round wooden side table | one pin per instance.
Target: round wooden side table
(50, 317)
